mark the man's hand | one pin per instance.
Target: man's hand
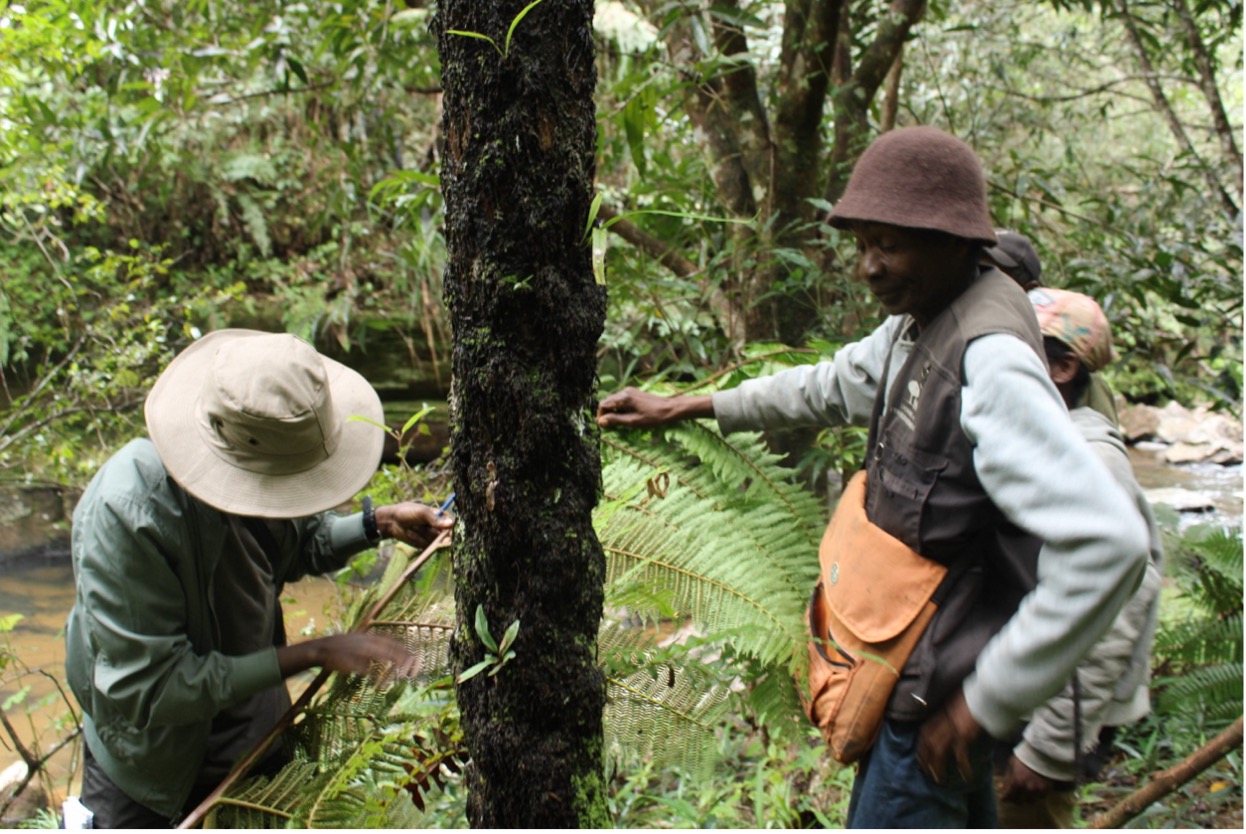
(415, 524)
(949, 731)
(635, 409)
(1021, 784)
(354, 653)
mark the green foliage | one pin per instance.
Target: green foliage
(708, 570)
(1081, 160)
(216, 154)
(1199, 652)
(1197, 685)
(757, 783)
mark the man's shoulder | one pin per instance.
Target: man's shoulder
(1095, 426)
(131, 478)
(136, 462)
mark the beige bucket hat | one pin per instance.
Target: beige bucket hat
(257, 424)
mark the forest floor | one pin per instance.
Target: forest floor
(1211, 801)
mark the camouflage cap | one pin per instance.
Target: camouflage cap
(1077, 321)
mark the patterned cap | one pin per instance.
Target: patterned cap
(1076, 320)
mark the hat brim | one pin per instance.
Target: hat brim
(171, 413)
(1001, 258)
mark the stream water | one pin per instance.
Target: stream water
(41, 591)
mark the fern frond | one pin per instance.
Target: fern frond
(246, 165)
(699, 530)
(1203, 640)
(1217, 688)
(736, 561)
(662, 703)
(267, 803)
(254, 221)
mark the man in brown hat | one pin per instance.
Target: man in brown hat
(972, 462)
(175, 646)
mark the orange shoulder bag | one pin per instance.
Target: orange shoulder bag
(870, 606)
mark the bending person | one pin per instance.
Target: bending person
(175, 647)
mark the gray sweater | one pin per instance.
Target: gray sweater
(1035, 467)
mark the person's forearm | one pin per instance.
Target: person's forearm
(297, 658)
(690, 407)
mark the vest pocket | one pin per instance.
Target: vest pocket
(906, 482)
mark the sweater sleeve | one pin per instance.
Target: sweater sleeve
(836, 392)
(1044, 477)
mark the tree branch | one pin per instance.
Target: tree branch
(852, 99)
(1166, 782)
(743, 101)
(660, 251)
(1207, 83)
(1164, 106)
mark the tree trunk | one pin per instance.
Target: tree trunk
(526, 314)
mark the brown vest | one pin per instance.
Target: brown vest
(922, 488)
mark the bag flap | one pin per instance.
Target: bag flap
(874, 583)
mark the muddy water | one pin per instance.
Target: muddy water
(43, 592)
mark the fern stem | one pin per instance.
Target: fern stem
(254, 806)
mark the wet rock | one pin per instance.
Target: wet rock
(33, 521)
(1192, 435)
(28, 803)
(1138, 422)
(1181, 500)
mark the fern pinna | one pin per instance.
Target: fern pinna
(711, 551)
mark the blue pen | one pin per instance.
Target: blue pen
(445, 506)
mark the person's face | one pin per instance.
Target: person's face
(912, 271)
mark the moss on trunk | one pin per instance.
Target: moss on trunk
(526, 314)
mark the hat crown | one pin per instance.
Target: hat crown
(266, 405)
(1078, 321)
(919, 178)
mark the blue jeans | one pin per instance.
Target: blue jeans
(891, 791)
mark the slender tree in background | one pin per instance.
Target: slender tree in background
(526, 313)
(763, 135)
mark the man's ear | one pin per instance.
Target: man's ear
(1064, 368)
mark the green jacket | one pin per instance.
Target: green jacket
(141, 641)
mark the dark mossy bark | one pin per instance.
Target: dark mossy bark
(518, 168)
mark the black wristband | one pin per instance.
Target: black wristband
(370, 530)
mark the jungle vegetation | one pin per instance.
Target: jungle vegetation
(171, 168)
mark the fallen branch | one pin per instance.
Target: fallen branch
(246, 762)
(1169, 780)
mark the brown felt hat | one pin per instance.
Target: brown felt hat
(918, 178)
(259, 424)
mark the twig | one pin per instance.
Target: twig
(240, 769)
(34, 764)
(1169, 780)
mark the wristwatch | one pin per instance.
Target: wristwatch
(370, 530)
